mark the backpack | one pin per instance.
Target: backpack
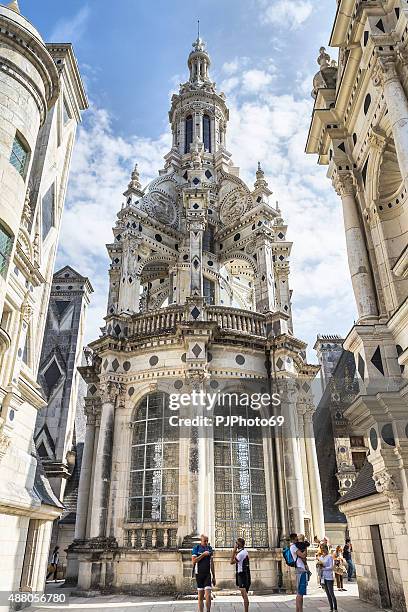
(287, 555)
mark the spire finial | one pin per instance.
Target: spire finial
(198, 28)
(14, 6)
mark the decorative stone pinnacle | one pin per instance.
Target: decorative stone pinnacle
(14, 6)
(135, 179)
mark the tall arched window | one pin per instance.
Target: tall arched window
(189, 134)
(240, 493)
(154, 481)
(207, 133)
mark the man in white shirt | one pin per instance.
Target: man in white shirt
(240, 559)
(301, 573)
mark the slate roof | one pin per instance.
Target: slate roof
(42, 487)
(324, 437)
(363, 486)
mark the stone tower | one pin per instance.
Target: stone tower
(359, 130)
(199, 300)
(41, 99)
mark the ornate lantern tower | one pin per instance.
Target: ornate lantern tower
(199, 300)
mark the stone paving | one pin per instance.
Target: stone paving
(347, 602)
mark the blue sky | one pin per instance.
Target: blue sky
(132, 54)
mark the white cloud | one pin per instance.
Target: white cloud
(71, 29)
(256, 80)
(100, 172)
(286, 13)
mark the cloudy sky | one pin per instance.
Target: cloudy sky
(132, 54)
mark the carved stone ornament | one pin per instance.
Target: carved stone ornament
(4, 440)
(196, 378)
(344, 183)
(112, 392)
(161, 207)
(233, 207)
(385, 71)
(384, 482)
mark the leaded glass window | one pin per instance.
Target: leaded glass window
(47, 212)
(154, 476)
(209, 291)
(207, 133)
(208, 239)
(6, 245)
(189, 134)
(239, 476)
(19, 156)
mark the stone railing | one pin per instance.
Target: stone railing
(165, 320)
(237, 320)
(151, 535)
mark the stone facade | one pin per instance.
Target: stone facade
(60, 427)
(41, 97)
(199, 300)
(359, 129)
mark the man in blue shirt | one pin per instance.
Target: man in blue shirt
(203, 565)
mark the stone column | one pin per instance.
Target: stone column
(86, 473)
(129, 291)
(360, 271)
(265, 278)
(110, 392)
(397, 105)
(314, 475)
(292, 476)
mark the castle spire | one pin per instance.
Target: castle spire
(261, 190)
(199, 60)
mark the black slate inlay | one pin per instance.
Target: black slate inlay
(361, 367)
(154, 360)
(126, 366)
(376, 360)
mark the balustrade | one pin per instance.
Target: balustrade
(148, 536)
(165, 320)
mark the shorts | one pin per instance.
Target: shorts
(203, 581)
(301, 582)
(243, 581)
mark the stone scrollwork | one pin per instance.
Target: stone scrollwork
(4, 440)
(113, 393)
(233, 207)
(384, 482)
(344, 183)
(385, 71)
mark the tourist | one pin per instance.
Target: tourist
(327, 565)
(303, 545)
(319, 553)
(54, 564)
(299, 558)
(347, 556)
(340, 568)
(203, 567)
(240, 558)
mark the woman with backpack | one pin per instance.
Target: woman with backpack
(240, 559)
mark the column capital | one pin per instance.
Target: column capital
(385, 70)
(344, 183)
(112, 392)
